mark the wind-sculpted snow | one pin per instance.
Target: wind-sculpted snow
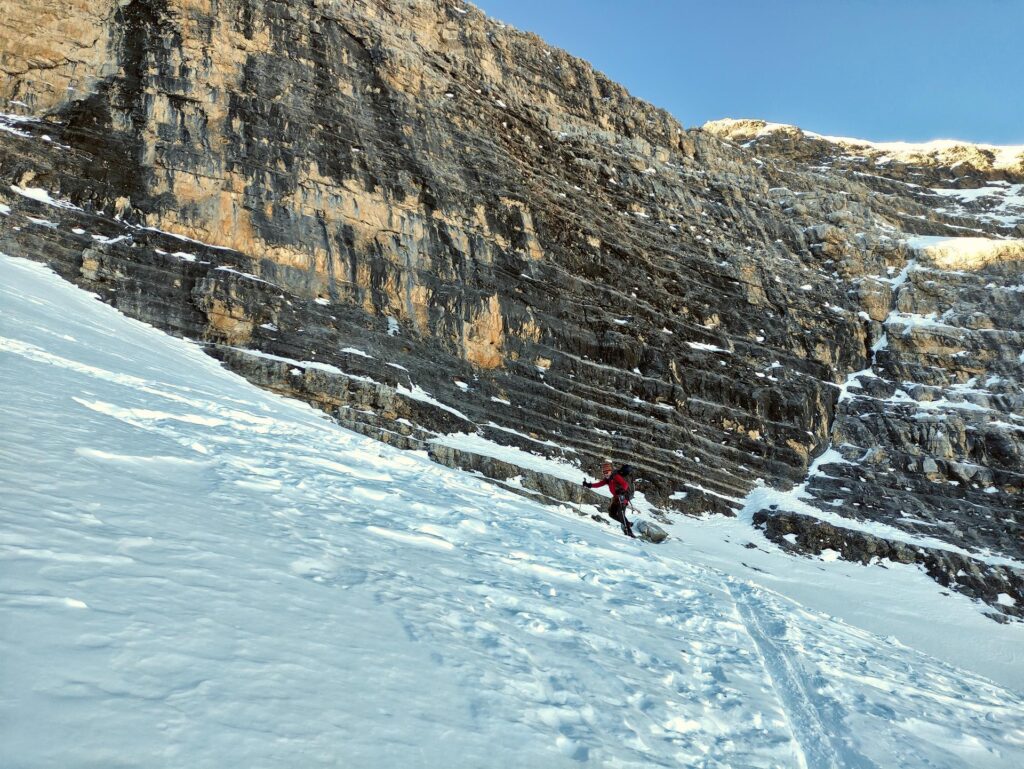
(197, 573)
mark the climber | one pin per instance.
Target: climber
(619, 486)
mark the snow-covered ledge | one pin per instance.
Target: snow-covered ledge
(965, 253)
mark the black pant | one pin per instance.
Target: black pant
(617, 510)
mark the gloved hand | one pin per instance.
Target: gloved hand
(586, 484)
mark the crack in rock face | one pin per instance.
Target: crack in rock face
(427, 223)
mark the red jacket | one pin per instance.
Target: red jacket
(616, 484)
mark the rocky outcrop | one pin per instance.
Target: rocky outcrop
(970, 184)
(929, 437)
(424, 222)
(942, 163)
(999, 586)
(53, 52)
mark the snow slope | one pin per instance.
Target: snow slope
(197, 573)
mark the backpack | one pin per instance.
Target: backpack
(626, 471)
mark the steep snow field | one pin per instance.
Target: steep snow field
(197, 573)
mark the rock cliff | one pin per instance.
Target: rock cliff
(427, 223)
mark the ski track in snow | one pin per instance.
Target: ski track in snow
(805, 715)
(197, 573)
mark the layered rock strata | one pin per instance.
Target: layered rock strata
(427, 223)
(928, 439)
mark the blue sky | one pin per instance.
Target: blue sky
(875, 69)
